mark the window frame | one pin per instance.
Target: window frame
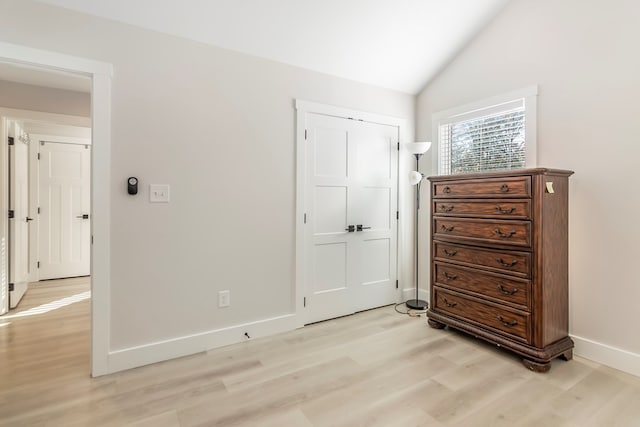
(528, 96)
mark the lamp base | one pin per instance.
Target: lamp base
(416, 304)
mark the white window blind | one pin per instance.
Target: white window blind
(497, 133)
(492, 142)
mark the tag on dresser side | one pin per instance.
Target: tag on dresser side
(550, 187)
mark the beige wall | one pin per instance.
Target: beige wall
(217, 126)
(49, 100)
(583, 55)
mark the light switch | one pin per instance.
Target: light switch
(159, 193)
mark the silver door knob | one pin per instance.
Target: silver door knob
(359, 227)
(83, 216)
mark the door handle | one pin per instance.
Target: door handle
(359, 227)
(83, 216)
(29, 219)
(350, 229)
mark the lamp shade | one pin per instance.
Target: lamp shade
(418, 147)
(415, 177)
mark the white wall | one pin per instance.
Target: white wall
(45, 99)
(583, 55)
(218, 126)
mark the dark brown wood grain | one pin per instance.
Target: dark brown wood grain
(517, 263)
(507, 187)
(495, 208)
(552, 241)
(483, 231)
(500, 174)
(491, 232)
(501, 319)
(560, 348)
(495, 287)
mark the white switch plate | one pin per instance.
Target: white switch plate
(159, 193)
(224, 299)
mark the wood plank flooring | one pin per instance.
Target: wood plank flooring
(376, 368)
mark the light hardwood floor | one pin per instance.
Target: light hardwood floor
(376, 368)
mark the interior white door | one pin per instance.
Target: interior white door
(64, 220)
(376, 177)
(19, 224)
(351, 202)
(4, 220)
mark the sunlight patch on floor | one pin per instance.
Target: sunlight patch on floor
(45, 308)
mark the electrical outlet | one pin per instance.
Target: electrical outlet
(224, 299)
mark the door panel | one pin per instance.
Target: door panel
(351, 180)
(64, 189)
(376, 258)
(331, 156)
(331, 209)
(377, 215)
(374, 156)
(330, 267)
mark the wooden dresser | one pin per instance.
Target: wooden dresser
(499, 260)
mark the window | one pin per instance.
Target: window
(495, 134)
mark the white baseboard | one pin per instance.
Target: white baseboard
(134, 357)
(604, 354)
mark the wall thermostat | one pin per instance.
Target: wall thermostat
(132, 185)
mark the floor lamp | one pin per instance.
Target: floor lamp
(415, 178)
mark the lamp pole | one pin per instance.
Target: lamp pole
(417, 303)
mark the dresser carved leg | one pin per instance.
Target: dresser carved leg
(567, 355)
(435, 325)
(536, 366)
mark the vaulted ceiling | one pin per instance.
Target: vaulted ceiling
(396, 44)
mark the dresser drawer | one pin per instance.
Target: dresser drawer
(502, 289)
(495, 187)
(503, 261)
(508, 233)
(510, 322)
(496, 208)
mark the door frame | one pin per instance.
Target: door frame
(305, 107)
(100, 74)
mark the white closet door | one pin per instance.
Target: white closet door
(64, 187)
(351, 181)
(19, 224)
(376, 188)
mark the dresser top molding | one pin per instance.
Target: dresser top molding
(501, 174)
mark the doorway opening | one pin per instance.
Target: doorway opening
(48, 177)
(98, 76)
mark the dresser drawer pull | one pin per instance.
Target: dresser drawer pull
(506, 291)
(449, 304)
(504, 188)
(450, 276)
(445, 208)
(509, 324)
(505, 211)
(450, 253)
(446, 189)
(506, 264)
(448, 229)
(504, 235)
